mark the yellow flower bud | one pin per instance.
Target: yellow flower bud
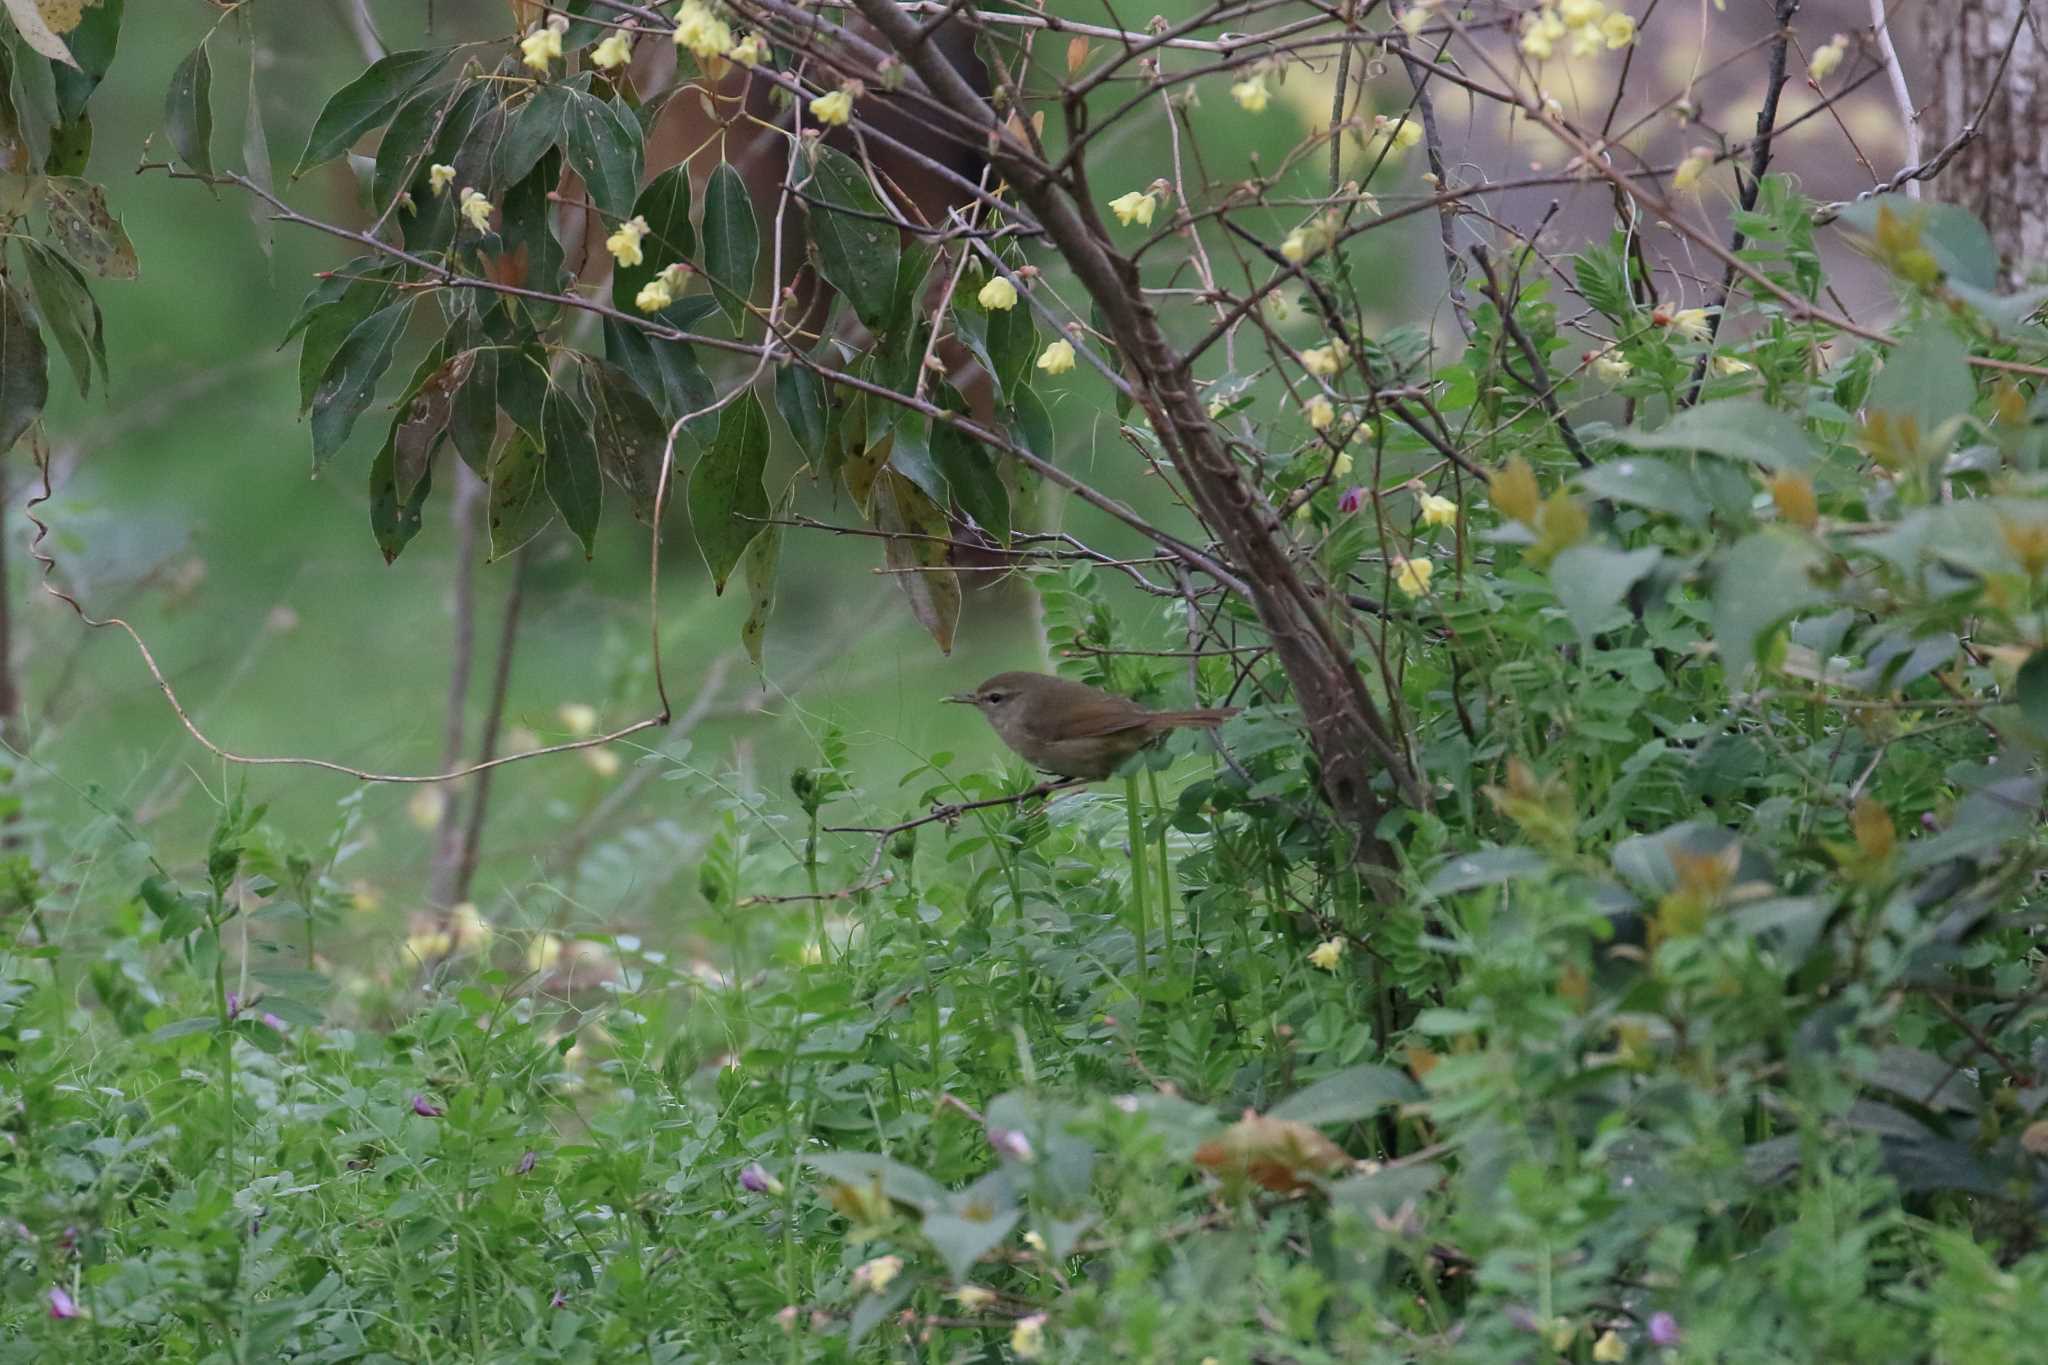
(541, 47)
(1057, 358)
(476, 209)
(1412, 576)
(1251, 95)
(749, 51)
(1827, 58)
(654, 296)
(624, 244)
(833, 109)
(1619, 30)
(1438, 511)
(1135, 207)
(439, 177)
(998, 295)
(1320, 413)
(614, 52)
(1327, 954)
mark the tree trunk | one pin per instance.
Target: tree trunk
(1999, 176)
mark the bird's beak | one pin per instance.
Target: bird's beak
(964, 698)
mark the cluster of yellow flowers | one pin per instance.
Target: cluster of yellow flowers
(1412, 576)
(1327, 954)
(835, 108)
(1396, 135)
(1311, 239)
(624, 244)
(1136, 207)
(701, 33)
(1588, 23)
(1251, 94)
(544, 45)
(659, 292)
(1325, 360)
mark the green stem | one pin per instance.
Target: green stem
(1165, 878)
(1140, 858)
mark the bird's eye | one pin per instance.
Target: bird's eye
(994, 697)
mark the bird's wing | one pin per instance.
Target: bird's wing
(1100, 714)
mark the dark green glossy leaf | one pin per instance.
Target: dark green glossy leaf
(24, 368)
(92, 46)
(604, 148)
(667, 371)
(423, 409)
(90, 235)
(464, 139)
(858, 246)
(569, 466)
(473, 416)
(188, 110)
(365, 102)
(1030, 423)
(530, 132)
(727, 501)
(971, 473)
(732, 245)
(523, 386)
(350, 380)
(630, 435)
(395, 513)
(334, 309)
(70, 147)
(800, 399)
(519, 505)
(406, 143)
(665, 205)
(68, 309)
(759, 563)
(527, 229)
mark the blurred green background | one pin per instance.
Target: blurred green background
(184, 504)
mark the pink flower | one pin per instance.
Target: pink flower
(526, 1162)
(1353, 499)
(1011, 1143)
(426, 1108)
(273, 1023)
(234, 1006)
(1663, 1330)
(62, 1305)
(754, 1179)
(560, 1300)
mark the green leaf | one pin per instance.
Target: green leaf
(32, 88)
(1659, 485)
(92, 46)
(519, 507)
(256, 163)
(971, 473)
(36, 33)
(184, 1028)
(527, 228)
(904, 1184)
(727, 501)
(90, 235)
(1958, 242)
(1735, 429)
(68, 309)
(335, 308)
(732, 245)
(188, 110)
(1485, 867)
(523, 385)
(800, 399)
(406, 142)
(603, 147)
(1926, 377)
(857, 243)
(1589, 582)
(422, 413)
(24, 368)
(350, 381)
(1357, 1092)
(974, 1222)
(759, 563)
(531, 131)
(395, 515)
(365, 102)
(919, 557)
(473, 417)
(630, 436)
(1030, 423)
(665, 205)
(575, 483)
(1763, 579)
(1603, 280)
(70, 147)
(667, 371)
(2031, 688)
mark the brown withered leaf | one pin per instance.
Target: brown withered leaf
(1274, 1154)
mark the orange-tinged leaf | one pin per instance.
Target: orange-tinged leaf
(1274, 1154)
(1077, 55)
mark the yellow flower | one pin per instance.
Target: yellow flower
(702, 33)
(438, 177)
(875, 1276)
(1327, 954)
(1251, 95)
(1540, 32)
(1057, 358)
(1341, 466)
(1827, 58)
(998, 295)
(1579, 13)
(1611, 367)
(580, 718)
(1325, 360)
(603, 762)
(833, 109)
(543, 953)
(676, 276)
(1692, 168)
(1438, 511)
(654, 296)
(1414, 19)
(1726, 365)
(1398, 134)
(1035, 1242)
(624, 244)
(1135, 207)
(749, 51)
(1320, 413)
(1412, 575)
(812, 954)
(1586, 41)
(1619, 30)
(1294, 247)
(1610, 1349)
(973, 1298)
(540, 47)
(468, 926)
(614, 51)
(1692, 324)
(476, 209)
(1027, 1338)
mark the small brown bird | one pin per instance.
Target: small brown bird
(1075, 730)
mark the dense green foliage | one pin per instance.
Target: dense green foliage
(1689, 1009)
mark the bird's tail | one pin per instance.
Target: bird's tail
(1205, 719)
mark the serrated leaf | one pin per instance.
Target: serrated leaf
(759, 563)
(90, 235)
(732, 244)
(519, 506)
(188, 110)
(575, 484)
(727, 501)
(1735, 429)
(36, 32)
(24, 368)
(857, 245)
(69, 310)
(365, 102)
(350, 380)
(604, 148)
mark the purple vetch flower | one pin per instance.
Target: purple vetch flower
(1928, 822)
(1011, 1143)
(62, 1305)
(273, 1023)
(560, 1300)
(526, 1162)
(754, 1179)
(1353, 499)
(1663, 1330)
(234, 1006)
(426, 1108)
